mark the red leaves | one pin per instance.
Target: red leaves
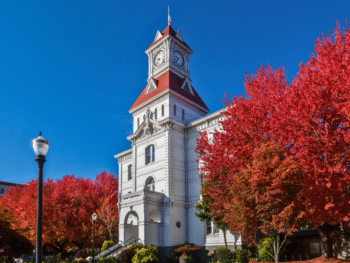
(309, 119)
(68, 205)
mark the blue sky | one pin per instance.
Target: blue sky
(72, 69)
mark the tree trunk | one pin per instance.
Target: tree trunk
(278, 246)
(224, 231)
(326, 232)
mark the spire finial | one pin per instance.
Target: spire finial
(39, 133)
(169, 18)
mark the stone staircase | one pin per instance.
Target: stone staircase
(117, 249)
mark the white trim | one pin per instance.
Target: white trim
(127, 152)
(158, 36)
(150, 86)
(188, 85)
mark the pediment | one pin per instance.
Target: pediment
(147, 131)
(147, 128)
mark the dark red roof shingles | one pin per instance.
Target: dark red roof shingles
(172, 81)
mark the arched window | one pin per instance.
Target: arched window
(150, 154)
(129, 172)
(183, 114)
(162, 110)
(150, 186)
(175, 110)
(155, 114)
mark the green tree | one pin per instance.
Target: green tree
(204, 214)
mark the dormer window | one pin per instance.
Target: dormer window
(175, 110)
(138, 122)
(163, 110)
(150, 154)
(183, 114)
(155, 114)
(186, 87)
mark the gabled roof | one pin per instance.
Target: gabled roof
(169, 31)
(169, 81)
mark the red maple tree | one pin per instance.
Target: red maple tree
(319, 136)
(68, 205)
(309, 119)
(245, 169)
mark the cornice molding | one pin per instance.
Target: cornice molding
(122, 154)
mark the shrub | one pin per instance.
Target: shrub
(137, 247)
(187, 248)
(154, 248)
(126, 255)
(265, 245)
(96, 251)
(107, 260)
(224, 255)
(242, 255)
(81, 260)
(6, 259)
(174, 257)
(82, 253)
(54, 258)
(106, 245)
(145, 255)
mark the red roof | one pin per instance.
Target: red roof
(167, 31)
(171, 81)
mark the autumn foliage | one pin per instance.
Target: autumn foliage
(12, 242)
(281, 159)
(68, 204)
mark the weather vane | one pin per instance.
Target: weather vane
(169, 18)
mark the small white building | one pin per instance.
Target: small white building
(4, 186)
(159, 181)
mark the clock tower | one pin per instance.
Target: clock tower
(168, 52)
(159, 183)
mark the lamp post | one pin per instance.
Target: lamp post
(40, 146)
(94, 217)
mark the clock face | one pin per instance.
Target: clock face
(159, 58)
(178, 58)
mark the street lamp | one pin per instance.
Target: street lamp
(40, 146)
(94, 217)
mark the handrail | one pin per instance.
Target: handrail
(121, 244)
(134, 240)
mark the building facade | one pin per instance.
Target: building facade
(159, 181)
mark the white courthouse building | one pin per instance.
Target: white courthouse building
(159, 181)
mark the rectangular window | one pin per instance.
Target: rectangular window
(130, 172)
(208, 223)
(2, 191)
(216, 230)
(148, 155)
(153, 153)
